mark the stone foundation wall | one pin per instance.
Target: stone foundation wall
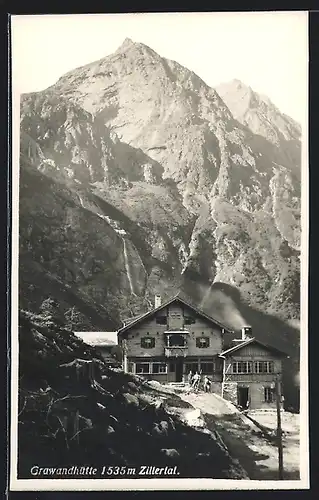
(256, 395)
(217, 388)
(230, 392)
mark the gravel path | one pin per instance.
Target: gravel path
(257, 455)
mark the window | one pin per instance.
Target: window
(175, 320)
(175, 314)
(202, 342)
(175, 340)
(161, 320)
(269, 394)
(142, 368)
(264, 367)
(147, 342)
(242, 367)
(156, 367)
(159, 368)
(208, 368)
(191, 367)
(189, 321)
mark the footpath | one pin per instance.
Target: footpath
(255, 451)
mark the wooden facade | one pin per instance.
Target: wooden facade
(249, 374)
(175, 338)
(172, 340)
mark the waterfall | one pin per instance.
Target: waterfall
(127, 267)
(121, 233)
(81, 201)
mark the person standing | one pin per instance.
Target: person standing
(201, 381)
(207, 384)
(196, 380)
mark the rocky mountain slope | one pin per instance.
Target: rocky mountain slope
(75, 411)
(260, 115)
(138, 178)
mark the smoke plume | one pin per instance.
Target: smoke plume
(222, 307)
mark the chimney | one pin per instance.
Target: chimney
(158, 301)
(246, 332)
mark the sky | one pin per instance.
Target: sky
(266, 50)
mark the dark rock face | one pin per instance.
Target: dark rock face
(137, 178)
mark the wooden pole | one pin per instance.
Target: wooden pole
(279, 432)
(224, 376)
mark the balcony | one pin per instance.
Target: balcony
(176, 351)
(176, 343)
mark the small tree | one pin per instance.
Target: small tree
(73, 318)
(50, 309)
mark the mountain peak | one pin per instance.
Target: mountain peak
(258, 112)
(128, 44)
(237, 82)
(125, 45)
(239, 85)
(243, 90)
